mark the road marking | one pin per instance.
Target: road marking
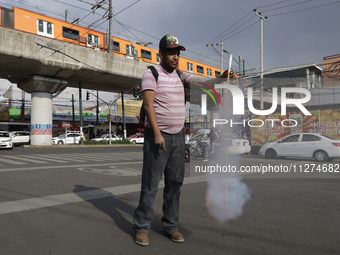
(69, 166)
(51, 158)
(40, 157)
(13, 162)
(55, 200)
(26, 159)
(66, 158)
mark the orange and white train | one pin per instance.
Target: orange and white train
(38, 24)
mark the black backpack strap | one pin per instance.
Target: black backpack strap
(154, 72)
(181, 76)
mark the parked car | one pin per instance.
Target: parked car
(106, 137)
(72, 137)
(136, 138)
(238, 145)
(20, 137)
(318, 146)
(5, 140)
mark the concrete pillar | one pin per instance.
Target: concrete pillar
(41, 118)
(41, 89)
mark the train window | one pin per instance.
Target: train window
(116, 46)
(158, 58)
(92, 40)
(130, 51)
(190, 67)
(209, 72)
(70, 33)
(146, 54)
(217, 73)
(45, 28)
(41, 26)
(200, 69)
(49, 28)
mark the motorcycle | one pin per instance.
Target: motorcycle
(197, 148)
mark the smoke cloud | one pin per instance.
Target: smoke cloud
(227, 191)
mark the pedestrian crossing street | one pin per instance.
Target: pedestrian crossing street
(68, 158)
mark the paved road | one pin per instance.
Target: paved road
(73, 201)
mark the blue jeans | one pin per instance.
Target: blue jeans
(155, 163)
(207, 149)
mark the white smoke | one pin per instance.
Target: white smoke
(227, 191)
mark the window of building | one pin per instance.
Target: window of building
(190, 67)
(217, 73)
(70, 33)
(209, 72)
(45, 28)
(146, 54)
(200, 69)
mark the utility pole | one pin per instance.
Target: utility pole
(23, 105)
(66, 15)
(81, 115)
(97, 111)
(109, 48)
(261, 56)
(124, 126)
(73, 119)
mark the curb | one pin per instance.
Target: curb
(78, 146)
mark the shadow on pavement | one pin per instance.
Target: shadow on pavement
(110, 205)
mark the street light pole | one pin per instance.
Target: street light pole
(261, 56)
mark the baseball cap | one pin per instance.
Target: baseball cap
(170, 42)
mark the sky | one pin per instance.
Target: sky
(295, 32)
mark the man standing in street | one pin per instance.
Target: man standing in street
(164, 142)
(213, 137)
(164, 147)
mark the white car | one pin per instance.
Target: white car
(5, 140)
(137, 138)
(20, 137)
(71, 138)
(317, 146)
(106, 137)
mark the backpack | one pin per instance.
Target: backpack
(155, 74)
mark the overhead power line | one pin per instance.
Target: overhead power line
(286, 6)
(216, 38)
(272, 4)
(315, 7)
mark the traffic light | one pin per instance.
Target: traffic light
(136, 91)
(108, 117)
(87, 95)
(140, 94)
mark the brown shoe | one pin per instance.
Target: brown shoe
(177, 237)
(142, 239)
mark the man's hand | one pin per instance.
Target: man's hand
(225, 74)
(159, 140)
